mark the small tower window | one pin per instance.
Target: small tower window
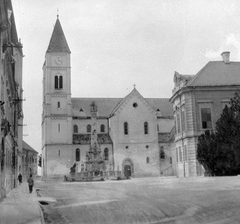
(88, 128)
(102, 128)
(147, 160)
(77, 155)
(162, 153)
(59, 105)
(60, 82)
(75, 129)
(145, 128)
(56, 82)
(106, 156)
(125, 128)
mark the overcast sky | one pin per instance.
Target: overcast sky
(118, 43)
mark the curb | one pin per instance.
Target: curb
(40, 211)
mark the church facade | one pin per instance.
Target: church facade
(133, 132)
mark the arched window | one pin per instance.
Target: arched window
(88, 128)
(162, 153)
(60, 82)
(56, 82)
(106, 156)
(75, 129)
(102, 128)
(125, 128)
(145, 128)
(147, 160)
(59, 106)
(77, 155)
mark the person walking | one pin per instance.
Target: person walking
(20, 178)
(30, 183)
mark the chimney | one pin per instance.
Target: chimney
(226, 56)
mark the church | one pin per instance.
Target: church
(133, 132)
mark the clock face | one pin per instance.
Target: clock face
(58, 61)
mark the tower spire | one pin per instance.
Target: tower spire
(58, 42)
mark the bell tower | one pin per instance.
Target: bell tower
(56, 113)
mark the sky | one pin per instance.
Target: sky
(118, 43)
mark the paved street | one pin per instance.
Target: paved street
(146, 200)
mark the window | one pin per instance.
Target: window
(59, 127)
(147, 160)
(135, 105)
(82, 167)
(183, 117)
(206, 118)
(162, 153)
(175, 124)
(145, 128)
(59, 106)
(88, 128)
(157, 127)
(77, 155)
(178, 122)
(106, 157)
(125, 128)
(58, 82)
(102, 128)
(75, 129)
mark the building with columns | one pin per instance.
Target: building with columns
(198, 101)
(133, 132)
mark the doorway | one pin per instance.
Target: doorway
(127, 167)
(127, 171)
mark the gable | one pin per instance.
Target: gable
(134, 94)
(135, 106)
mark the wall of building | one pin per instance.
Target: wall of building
(140, 148)
(10, 100)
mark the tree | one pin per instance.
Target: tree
(206, 154)
(219, 153)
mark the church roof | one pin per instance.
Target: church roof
(217, 73)
(58, 42)
(107, 105)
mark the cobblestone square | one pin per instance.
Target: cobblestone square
(146, 200)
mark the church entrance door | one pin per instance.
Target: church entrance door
(127, 171)
(127, 167)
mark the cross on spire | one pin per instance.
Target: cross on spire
(134, 85)
(57, 13)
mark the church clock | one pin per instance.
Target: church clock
(58, 61)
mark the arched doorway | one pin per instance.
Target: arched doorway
(127, 167)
